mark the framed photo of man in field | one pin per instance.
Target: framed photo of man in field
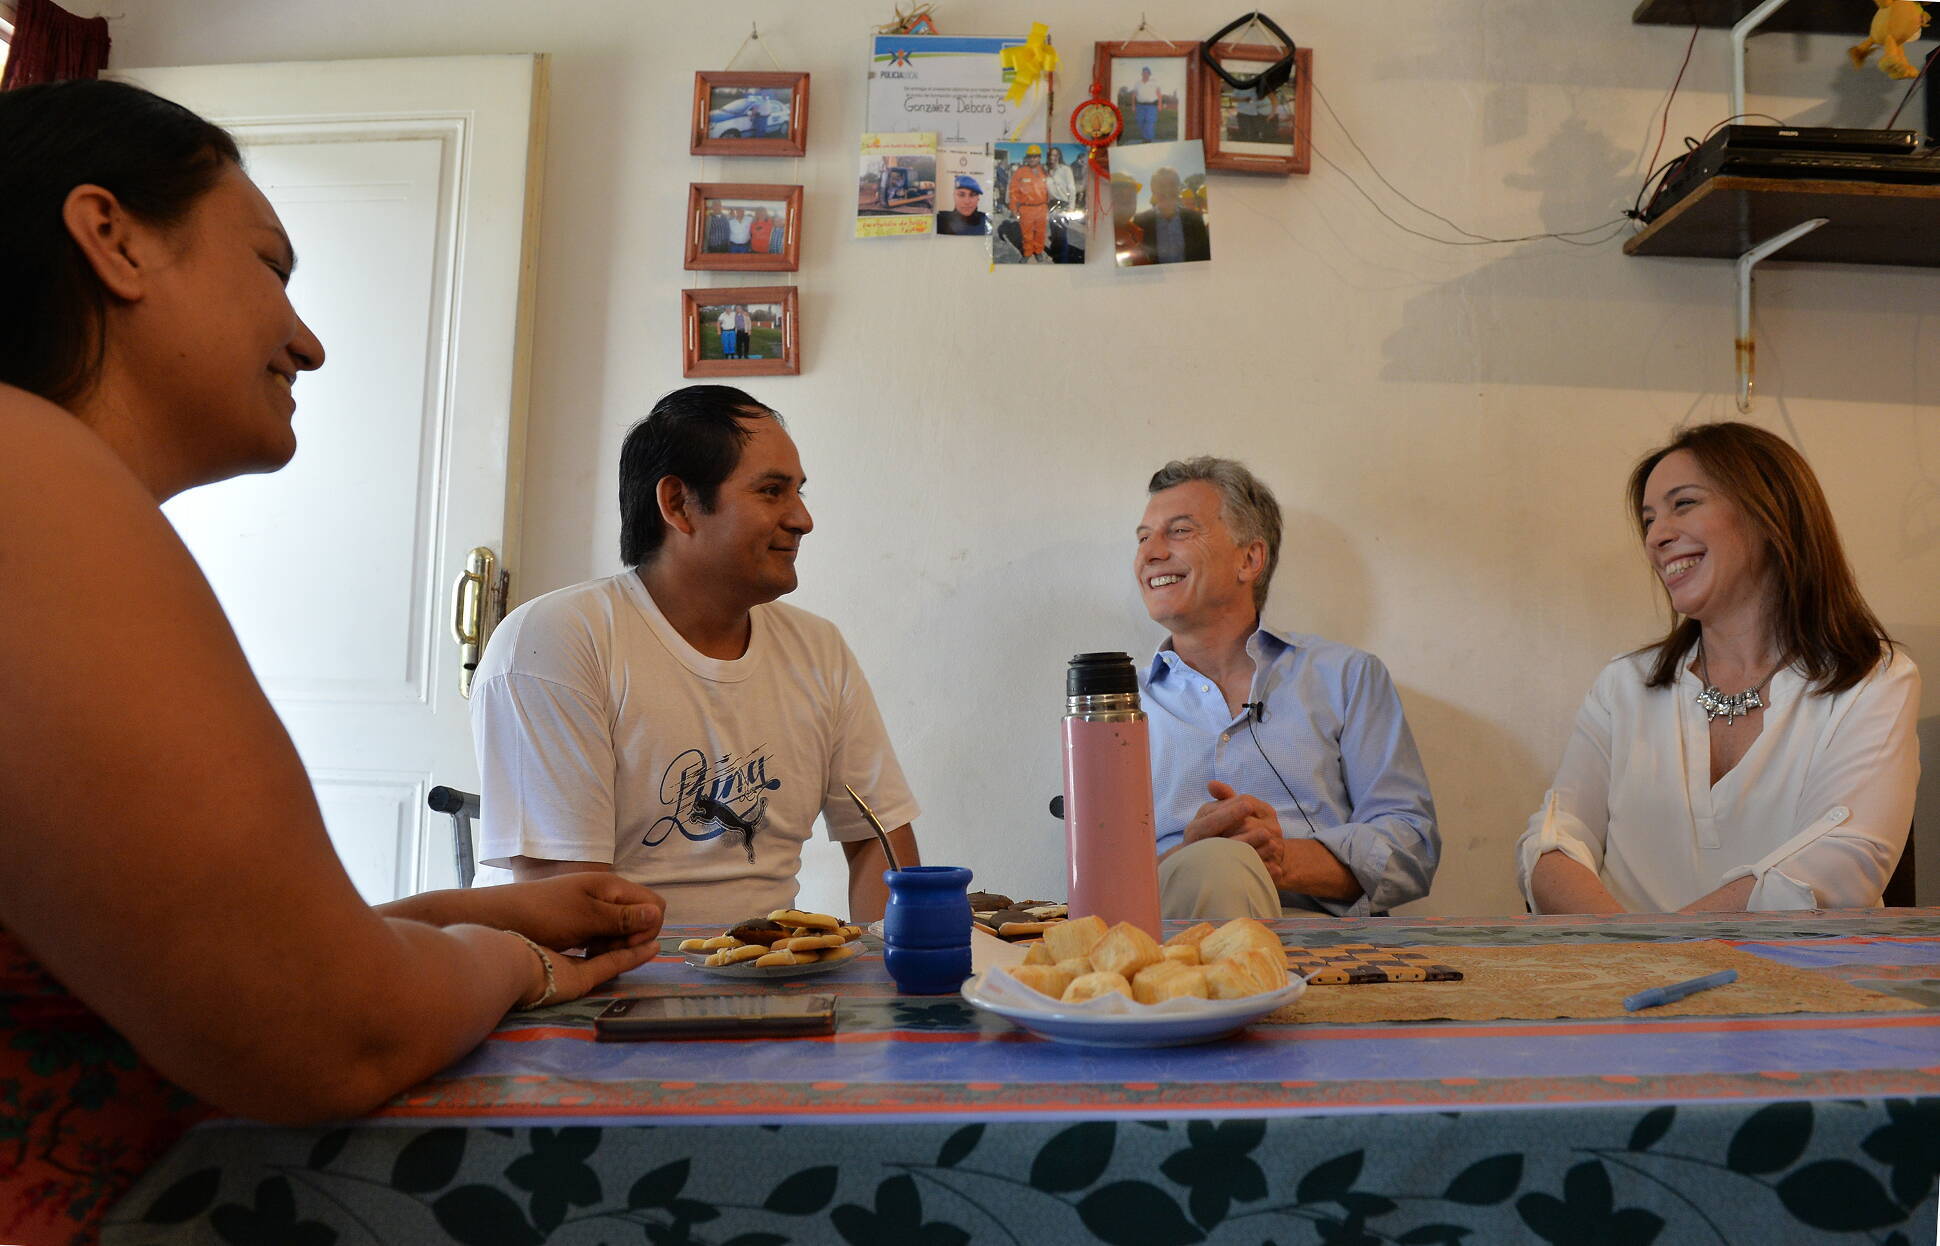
(740, 331)
(1155, 87)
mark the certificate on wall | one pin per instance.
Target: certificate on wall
(953, 85)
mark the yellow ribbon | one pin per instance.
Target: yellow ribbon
(1028, 61)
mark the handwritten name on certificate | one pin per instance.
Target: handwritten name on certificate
(953, 85)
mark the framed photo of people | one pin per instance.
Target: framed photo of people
(744, 227)
(1246, 132)
(740, 331)
(1155, 86)
(749, 114)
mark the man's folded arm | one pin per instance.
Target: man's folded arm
(1391, 844)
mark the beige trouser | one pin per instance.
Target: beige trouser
(1217, 878)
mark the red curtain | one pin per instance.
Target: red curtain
(50, 44)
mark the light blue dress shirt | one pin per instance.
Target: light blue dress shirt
(1333, 726)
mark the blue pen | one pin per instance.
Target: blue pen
(1678, 990)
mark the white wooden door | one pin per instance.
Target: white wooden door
(409, 188)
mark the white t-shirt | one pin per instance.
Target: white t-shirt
(1816, 810)
(1146, 91)
(740, 228)
(602, 735)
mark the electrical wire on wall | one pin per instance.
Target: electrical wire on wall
(1593, 236)
(1913, 86)
(1608, 230)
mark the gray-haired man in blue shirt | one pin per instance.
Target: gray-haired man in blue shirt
(1284, 776)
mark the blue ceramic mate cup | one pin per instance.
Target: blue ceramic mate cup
(926, 928)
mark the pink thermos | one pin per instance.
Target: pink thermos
(1108, 830)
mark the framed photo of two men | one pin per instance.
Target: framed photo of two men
(1155, 86)
(1251, 132)
(740, 331)
(744, 227)
(737, 114)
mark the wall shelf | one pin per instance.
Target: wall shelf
(1820, 17)
(1869, 222)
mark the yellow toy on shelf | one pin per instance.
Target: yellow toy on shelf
(1897, 24)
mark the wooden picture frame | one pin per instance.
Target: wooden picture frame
(728, 125)
(771, 248)
(1224, 151)
(703, 347)
(1192, 100)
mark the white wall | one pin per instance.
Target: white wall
(1448, 428)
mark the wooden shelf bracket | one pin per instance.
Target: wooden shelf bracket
(1746, 263)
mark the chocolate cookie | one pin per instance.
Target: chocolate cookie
(759, 930)
(987, 902)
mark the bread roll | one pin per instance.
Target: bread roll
(1037, 954)
(1077, 966)
(1044, 979)
(1251, 972)
(1125, 950)
(1185, 953)
(1092, 985)
(1168, 979)
(1074, 938)
(1190, 936)
(1235, 937)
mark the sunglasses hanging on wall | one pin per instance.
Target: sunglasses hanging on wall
(1268, 80)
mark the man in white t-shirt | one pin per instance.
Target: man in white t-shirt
(675, 723)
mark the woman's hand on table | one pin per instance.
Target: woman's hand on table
(597, 910)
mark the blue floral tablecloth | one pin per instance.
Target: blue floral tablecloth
(921, 1121)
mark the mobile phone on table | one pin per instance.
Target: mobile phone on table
(714, 1016)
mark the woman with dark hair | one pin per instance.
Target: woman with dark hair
(177, 936)
(1762, 755)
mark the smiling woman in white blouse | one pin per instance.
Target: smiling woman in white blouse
(1763, 755)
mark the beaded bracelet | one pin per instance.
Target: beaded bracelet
(552, 985)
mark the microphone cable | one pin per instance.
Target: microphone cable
(1257, 712)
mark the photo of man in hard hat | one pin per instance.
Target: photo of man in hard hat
(1030, 203)
(1039, 216)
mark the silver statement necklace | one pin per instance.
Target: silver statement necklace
(1717, 704)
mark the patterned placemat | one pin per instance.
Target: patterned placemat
(1363, 964)
(1553, 980)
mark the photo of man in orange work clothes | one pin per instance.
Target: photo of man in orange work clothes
(1030, 199)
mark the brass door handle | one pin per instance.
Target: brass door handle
(477, 604)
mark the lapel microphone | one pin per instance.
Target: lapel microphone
(1257, 710)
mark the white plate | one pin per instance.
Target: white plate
(748, 969)
(1114, 1021)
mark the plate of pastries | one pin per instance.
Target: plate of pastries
(788, 943)
(1117, 986)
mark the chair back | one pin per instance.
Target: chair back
(463, 807)
(1899, 888)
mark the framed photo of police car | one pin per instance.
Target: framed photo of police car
(749, 114)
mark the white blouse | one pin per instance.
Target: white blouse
(1817, 810)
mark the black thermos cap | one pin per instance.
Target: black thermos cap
(1100, 674)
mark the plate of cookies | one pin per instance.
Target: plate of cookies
(788, 943)
(1119, 987)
